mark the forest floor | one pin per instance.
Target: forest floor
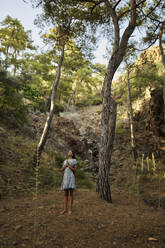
(127, 222)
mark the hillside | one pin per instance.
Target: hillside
(31, 219)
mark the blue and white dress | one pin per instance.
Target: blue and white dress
(69, 177)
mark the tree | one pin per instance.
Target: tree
(61, 42)
(107, 133)
(162, 28)
(14, 40)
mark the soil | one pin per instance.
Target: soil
(127, 222)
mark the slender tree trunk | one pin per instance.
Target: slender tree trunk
(108, 118)
(15, 66)
(45, 132)
(47, 103)
(163, 61)
(70, 99)
(7, 58)
(132, 129)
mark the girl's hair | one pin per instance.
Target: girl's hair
(73, 155)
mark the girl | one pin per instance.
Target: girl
(68, 183)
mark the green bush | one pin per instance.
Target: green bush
(57, 159)
(90, 100)
(48, 178)
(83, 180)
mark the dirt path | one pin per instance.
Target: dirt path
(94, 223)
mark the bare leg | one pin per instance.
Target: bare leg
(65, 201)
(71, 201)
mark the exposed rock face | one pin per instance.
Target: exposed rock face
(156, 112)
(87, 121)
(152, 55)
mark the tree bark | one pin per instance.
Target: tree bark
(105, 152)
(107, 136)
(70, 99)
(132, 129)
(43, 138)
(163, 61)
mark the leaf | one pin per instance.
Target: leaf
(152, 239)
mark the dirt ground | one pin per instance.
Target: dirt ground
(128, 222)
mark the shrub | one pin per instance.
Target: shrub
(11, 101)
(48, 178)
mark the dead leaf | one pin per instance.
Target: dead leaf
(152, 239)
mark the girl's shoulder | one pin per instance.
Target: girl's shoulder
(64, 162)
(75, 161)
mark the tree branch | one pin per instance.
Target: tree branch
(95, 4)
(128, 10)
(131, 25)
(115, 23)
(116, 4)
(150, 45)
(148, 15)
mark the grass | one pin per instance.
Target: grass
(120, 129)
(145, 180)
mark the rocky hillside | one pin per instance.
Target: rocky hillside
(79, 130)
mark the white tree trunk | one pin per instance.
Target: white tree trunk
(45, 132)
(132, 129)
(163, 62)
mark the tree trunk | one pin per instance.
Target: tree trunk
(103, 180)
(163, 62)
(107, 135)
(44, 135)
(15, 65)
(70, 99)
(132, 130)
(7, 59)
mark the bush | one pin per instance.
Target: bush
(83, 180)
(48, 178)
(57, 159)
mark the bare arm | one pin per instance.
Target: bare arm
(73, 168)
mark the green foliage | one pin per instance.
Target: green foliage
(145, 74)
(48, 178)
(57, 159)
(82, 178)
(90, 100)
(14, 40)
(11, 102)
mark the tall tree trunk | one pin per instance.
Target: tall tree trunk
(45, 132)
(15, 65)
(132, 129)
(163, 61)
(107, 135)
(105, 152)
(7, 58)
